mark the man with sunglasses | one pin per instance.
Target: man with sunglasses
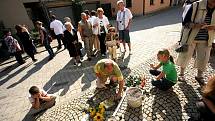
(107, 69)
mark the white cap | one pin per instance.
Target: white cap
(120, 1)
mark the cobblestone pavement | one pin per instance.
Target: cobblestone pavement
(68, 82)
(172, 105)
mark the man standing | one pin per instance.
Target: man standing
(58, 28)
(95, 30)
(85, 29)
(198, 34)
(123, 19)
(107, 68)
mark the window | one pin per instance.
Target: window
(151, 2)
(128, 3)
(162, 1)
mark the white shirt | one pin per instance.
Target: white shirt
(102, 22)
(123, 18)
(92, 19)
(57, 26)
(43, 94)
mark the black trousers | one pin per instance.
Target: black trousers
(59, 37)
(30, 52)
(162, 84)
(18, 56)
(102, 43)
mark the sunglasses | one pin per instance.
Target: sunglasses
(111, 31)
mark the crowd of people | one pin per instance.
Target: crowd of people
(197, 36)
(95, 31)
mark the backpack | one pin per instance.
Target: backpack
(186, 17)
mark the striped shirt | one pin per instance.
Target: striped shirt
(203, 33)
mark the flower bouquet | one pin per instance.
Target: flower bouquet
(135, 81)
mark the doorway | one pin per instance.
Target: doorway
(107, 10)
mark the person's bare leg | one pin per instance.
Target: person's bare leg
(129, 46)
(124, 46)
(181, 75)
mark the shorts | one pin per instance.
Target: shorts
(124, 36)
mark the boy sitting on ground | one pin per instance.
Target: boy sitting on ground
(40, 100)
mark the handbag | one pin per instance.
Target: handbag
(79, 45)
(111, 43)
(184, 47)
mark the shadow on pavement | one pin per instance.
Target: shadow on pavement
(29, 117)
(211, 62)
(131, 112)
(13, 74)
(37, 67)
(191, 97)
(167, 105)
(69, 74)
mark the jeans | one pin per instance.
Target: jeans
(162, 84)
(102, 43)
(49, 49)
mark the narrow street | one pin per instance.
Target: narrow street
(60, 77)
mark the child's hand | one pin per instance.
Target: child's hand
(40, 96)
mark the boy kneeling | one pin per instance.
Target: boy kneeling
(40, 100)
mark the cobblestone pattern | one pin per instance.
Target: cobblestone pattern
(60, 77)
(73, 110)
(176, 105)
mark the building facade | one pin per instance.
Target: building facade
(137, 7)
(28, 11)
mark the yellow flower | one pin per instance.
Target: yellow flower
(98, 117)
(102, 108)
(101, 105)
(102, 111)
(92, 112)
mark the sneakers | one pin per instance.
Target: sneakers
(89, 59)
(78, 64)
(34, 60)
(200, 80)
(130, 53)
(50, 58)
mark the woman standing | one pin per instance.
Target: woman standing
(71, 38)
(26, 41)
(103, 24)
(44, 38)
(13, 47)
